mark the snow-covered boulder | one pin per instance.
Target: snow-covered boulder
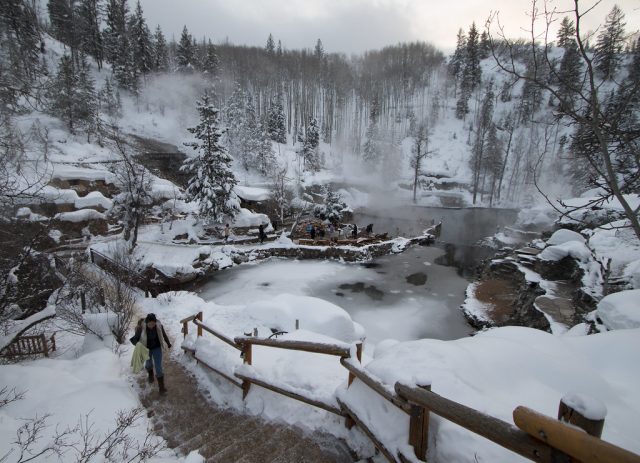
(315, 315)
(563, 236)
(246, 218)
(620, 310)
(252, 193)
(575, 249)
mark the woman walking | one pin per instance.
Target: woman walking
(150, 333)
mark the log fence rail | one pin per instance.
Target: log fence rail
(534, 436)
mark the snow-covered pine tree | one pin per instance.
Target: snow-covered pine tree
(607, 54)
(63, 21)
(20, 39)
(333, 207)
(211, 180)
(270, 47)
(277, 122)
(87, 104)
(115, 30)
(110, 99)
(265, 159)
(310, 147)
(235, 114)
(142, 51)
(89, 18)
(371, 147)
(160, 52)
(185, 52)
(566, 33)
(211, 63)
(64, 101)
(471, 74)
(456, 63)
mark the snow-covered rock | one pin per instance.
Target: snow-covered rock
(252, 193)
(563, 235)
(575, 249)
(620, 310)
(82, 215)
(246, 218)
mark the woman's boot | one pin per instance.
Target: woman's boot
(150, 372)
(161, 385)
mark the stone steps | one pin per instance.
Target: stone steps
(188, 421)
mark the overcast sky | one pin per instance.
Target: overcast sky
(350, 25)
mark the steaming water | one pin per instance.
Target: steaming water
(405, 296)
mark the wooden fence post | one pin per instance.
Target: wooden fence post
(568, 414)
(185, 329)
(45, 348)
(53, 342)
(349, 422)
(199, 317)
(359, 356)
(83, 302)
(419, 428)
(246, 356)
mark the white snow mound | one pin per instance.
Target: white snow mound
(575, 249)
(563, 235)
(620, 310)
(314, 314)
(589, 407)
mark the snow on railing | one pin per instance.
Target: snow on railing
(534, 436)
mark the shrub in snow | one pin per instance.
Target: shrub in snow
(620, 310)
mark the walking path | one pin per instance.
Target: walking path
(188, 421)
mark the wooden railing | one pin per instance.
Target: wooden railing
(534, 436)
(30, 345)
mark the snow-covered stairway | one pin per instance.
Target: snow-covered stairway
(188, 421)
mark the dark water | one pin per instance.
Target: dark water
(461, 229)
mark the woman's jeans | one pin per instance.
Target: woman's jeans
(156, 356)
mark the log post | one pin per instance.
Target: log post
(101, 296)
(359, 356)
(53, 342)
(246, 356)
(199, 317)
(568, 414)
(45, 348)
(83, 302)
(255, 332)
(419, 428)
(349, 422)
(185, 329)
(297, 324)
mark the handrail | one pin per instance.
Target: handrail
(494, 429)
(188, 319)
(572, 441)
(375, 384)
(289, 393)
(305, 346)
(216, 334)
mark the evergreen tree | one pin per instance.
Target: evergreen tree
(64, 100)
(235, 113)
(456, 63)
(608, 49)
(110, 99)
(160, 52)
(265, 159)
(493, 160)
(484, 47)
(185, 52)
(276, 121)
(333, 207)
(471, 74)
(20, 40)
(371, 148)
(115, 31)
(62, 19)
(89, 18)
(569, 75)
(310, 147)
(566, 33)
(211, 63)
(87, 104)
(270, 47)
(318, 51)
(211, 180)
(142, 51)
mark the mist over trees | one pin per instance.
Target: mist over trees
(316, 101)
